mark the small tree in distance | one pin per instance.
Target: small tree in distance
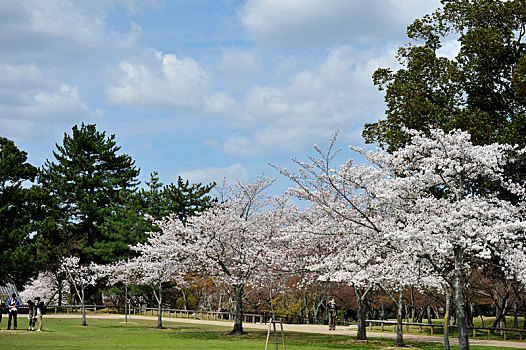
(80, 277)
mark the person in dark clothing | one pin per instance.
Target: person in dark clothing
(12, 308)
(333, 312)
(32, 316)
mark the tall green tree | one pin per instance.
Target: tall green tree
(128, 225)
(185, 199)
(87, 178)
(482, 90)
(18, 214)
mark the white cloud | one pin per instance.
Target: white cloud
(34, 112)
(166, 81)
(219, 102)
(231, 173)
(46, 48)
(59, 31)
(312, 22)
(237, 68)
(338, 94)
(238, 62)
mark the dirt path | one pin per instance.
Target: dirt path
(349, 331)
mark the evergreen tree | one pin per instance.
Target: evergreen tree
(86, 180)
(482, 90)
(18, 214)
(184, 199)
(128, 225)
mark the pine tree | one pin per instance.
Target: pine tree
(128, 225)
(17, 214)
(87, 179)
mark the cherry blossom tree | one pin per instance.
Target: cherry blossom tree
(455, 223)
(366, 261)
(233, 241)
(48, 285)
(426, 197)
(80, 277)
(120, 272)
(236, 240)
(161, 259)
(344, 223)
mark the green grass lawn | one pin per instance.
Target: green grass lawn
(141, 334)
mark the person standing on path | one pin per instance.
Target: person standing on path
(32, 316)
(12, 308)
(333, 312)
(39, 306)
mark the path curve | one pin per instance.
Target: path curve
(306, 328)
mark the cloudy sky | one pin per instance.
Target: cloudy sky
(204, 88)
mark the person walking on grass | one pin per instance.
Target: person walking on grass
(32, 315)
(12, 308)
(39, 309)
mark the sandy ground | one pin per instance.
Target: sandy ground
(341, 330)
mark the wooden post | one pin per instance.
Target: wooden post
(394, 328)
(382, 326)
(489, 335)
(474, 332)
(432, 330)
(420, 329)
(282, 334)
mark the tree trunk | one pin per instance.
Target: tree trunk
(429, 320)
(463, 334)
(399, 342)
(126, 304)
(83, 307)
(185, 302)
(159, 297)
(306, 312)
(160, 309)
(471, 314)
(238, 321)
(500, 312)
(446, 319)
(361, 312)
(220, 302)
(515, 315)
(413, 307)
(60, 287)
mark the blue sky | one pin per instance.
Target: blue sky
(202, 89)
